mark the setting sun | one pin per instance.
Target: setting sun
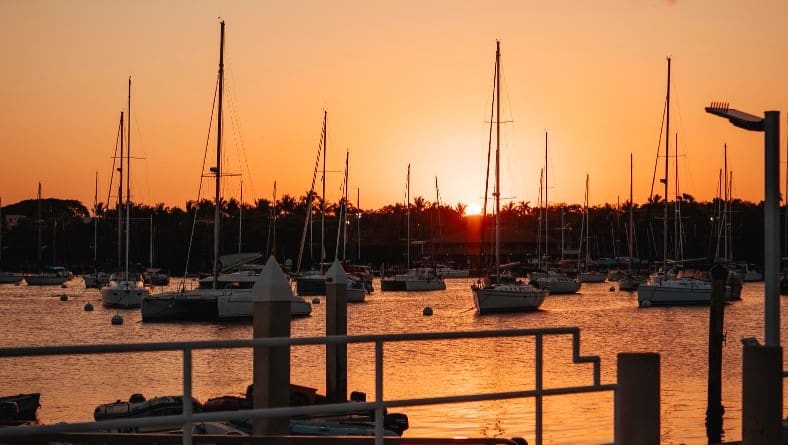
(473, 209)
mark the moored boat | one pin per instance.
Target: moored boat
(138, 406)
(19, 408)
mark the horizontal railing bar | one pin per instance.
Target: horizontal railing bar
(332, 408)
(147, 438)
(275, 341)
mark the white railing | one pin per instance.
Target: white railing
(188, 417)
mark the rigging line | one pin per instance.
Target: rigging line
(659, 144)
(202, 169)
(238, 133)
(114, 160)
(310, 200)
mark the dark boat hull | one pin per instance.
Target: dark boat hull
(26, 407)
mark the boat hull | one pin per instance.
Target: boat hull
(26, 406)
(123, 294)
(45, 280)
(311, 285)
(240, 305)
(507, 298)
(592, 277)
(179, 306)
(10, 278)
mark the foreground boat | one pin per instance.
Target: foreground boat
(19, 408)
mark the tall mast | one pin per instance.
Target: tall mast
(588, 228)
(497, 192)
(150, 254)
(489, 150)
(725, 209)
(546, 208)
(407, 195)
(438, 207)
(128, 178)
(95, 222)
(218, 172)
(39, 223)
(631, 204)
(241, 218)
(667, 163)
(323, 200)
(341, 221)
(119, 205)
(358, 221)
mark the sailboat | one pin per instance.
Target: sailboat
(554, 282)
(5, 276)
(49, 275)
(589, 276)
(97, 278)
(630, 281)
(496, 295)
(663, 287)
(229, 295)
(125, 288)
(415, 279)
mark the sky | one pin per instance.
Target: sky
(406, 82)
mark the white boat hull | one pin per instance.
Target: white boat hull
(238, 303)
(682, 291)
(507, 298)
(124, 294)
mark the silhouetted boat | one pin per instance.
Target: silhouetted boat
(19, 408)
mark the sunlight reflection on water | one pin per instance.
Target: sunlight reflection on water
(610, 323)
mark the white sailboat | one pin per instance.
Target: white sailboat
(415, 279)
(499, 296)
(125, 288)
(229, 296)
(664, 288)
(552, 281)
(588, 276)
(630, 281)
(49, 275)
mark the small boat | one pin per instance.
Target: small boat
(155, 277)
(420, 279)
(125, 290)
(19, 408)
(138, 406)
(96, 280)
(50, 276)
(10, 277)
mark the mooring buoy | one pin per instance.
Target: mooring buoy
(612, 288)
(117, 319)
(315, 300)
(64, 297)
(88, 307)
(427, 311)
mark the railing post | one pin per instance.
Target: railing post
(539, 387)
(637, 399)
(762, 394)
(336, 324)
(380, 412)
(188, 409)
(272, 300)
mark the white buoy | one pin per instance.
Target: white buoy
(315, 300)
(88, 307)
(117, 319)
(427, 311)
(64, 297)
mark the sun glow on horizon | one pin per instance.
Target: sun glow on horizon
(473, 210)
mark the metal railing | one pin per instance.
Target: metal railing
(188, 417)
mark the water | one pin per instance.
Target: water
(610, 322)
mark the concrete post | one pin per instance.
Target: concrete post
(719, 275)
(762, 394)
(271, 297)
(637, 400)
(771, 223)
(336, 324)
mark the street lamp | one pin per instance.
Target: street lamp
(762, 373)
(770, 125)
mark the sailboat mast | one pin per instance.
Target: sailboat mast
(341, 221)
(546, 208)
(358, 220)
(725, 208)
(407, 197)
(631, 204)
(667, 163)
(438, 208)
(217, 208)
(240, 218)
(95, 222)
(588, 228)
(39, 223)
(323, 200)
(497, 157)
(119, 205)
(150, 252)
(128, 178)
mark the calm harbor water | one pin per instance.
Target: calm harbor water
(610, 323)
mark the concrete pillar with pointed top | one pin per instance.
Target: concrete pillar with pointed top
(336, 324)
(271, 300)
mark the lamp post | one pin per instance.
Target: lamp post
(770, 125)
(762, 384)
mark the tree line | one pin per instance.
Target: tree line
(73, 236)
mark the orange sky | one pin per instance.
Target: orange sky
(403, 82)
